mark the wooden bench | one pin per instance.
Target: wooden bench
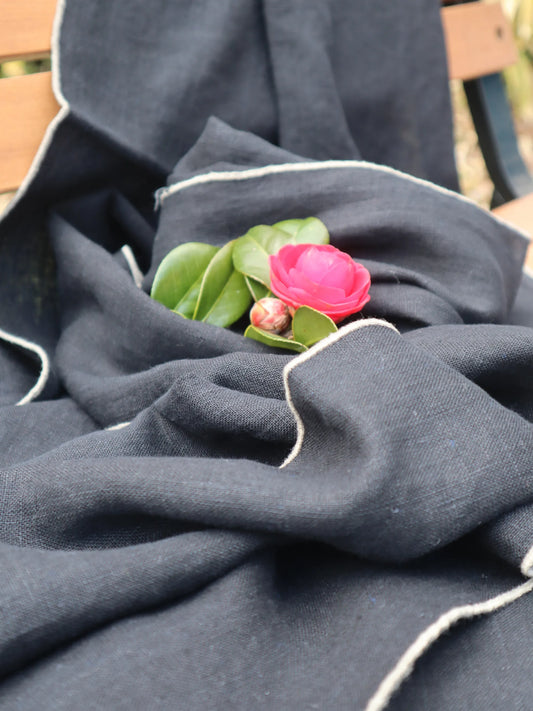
(479, 45)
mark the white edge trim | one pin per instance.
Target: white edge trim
(526, 567)
(37, 389)
(303, 357)
(136, 273)
(278, 168)
(38, 159)
(56, 70)
(527, 270)
(118, 426)
(58, 118)
(39, 156)
(403, 668)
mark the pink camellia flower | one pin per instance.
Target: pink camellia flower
(270, 315)
(319, 276)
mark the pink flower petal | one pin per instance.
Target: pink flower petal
(362, 285)
(319, 276)
(290, 253)
(340, 274)
(279, 288)
(278, 268)
(315, 262)
(326, 293)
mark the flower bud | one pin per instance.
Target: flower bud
(270, 315)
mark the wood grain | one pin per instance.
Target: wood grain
(479, 40)
(28, 106)
(25, 28)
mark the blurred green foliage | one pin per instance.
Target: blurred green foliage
(19, 67)
(519, 77)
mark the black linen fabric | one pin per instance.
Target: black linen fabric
(191, 520)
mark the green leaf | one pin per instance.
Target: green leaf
(256, 289)
(308, 231)
(223, 295)
(179, 271)
(310, 326)
(234, 300)
(252, 250)
(187, 306)
(270, 339)
(291, 227)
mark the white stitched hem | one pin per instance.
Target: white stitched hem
(303, 357)
(136, 273)
(526, 567)
(280, 168)
(403, 668)
(64, 110)
(36, 163)
(37, 389)
(118, 426)
(56, 70)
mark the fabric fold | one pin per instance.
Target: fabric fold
(191, 519)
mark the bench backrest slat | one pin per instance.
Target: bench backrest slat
(28, 106)
(478, 41)
(25, 28)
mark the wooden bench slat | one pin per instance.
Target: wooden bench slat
(28, 106)
(25, 28)
(479, 40)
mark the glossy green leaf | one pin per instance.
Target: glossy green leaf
(290, 227)
(252, 250)
(270, 339)
(223, 295)
(214, 279)
(310, 326)
(256, 289)
(308, 231)
(179, 271)
(233, 301)
(187, 305)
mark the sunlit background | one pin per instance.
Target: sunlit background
(473, 175)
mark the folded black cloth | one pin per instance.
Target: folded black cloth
(190, 519)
